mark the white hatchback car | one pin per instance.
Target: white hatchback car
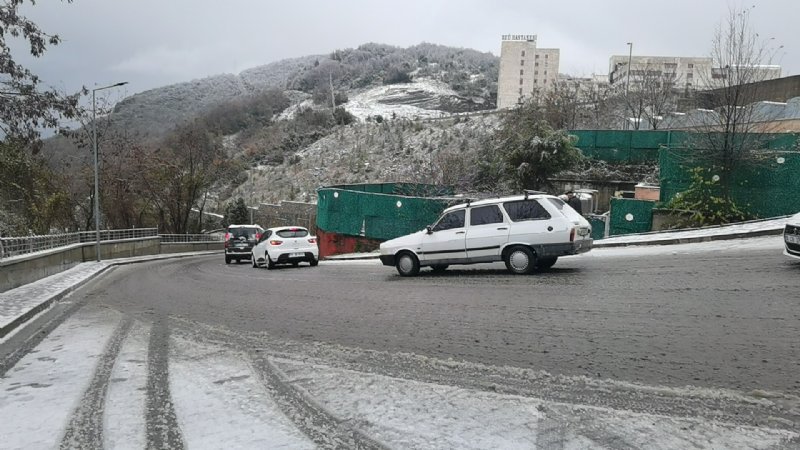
(285, 245)
(527, 232)
(791, 237)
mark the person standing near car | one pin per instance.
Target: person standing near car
(574, 202)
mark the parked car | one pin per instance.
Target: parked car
(527, 232)
(285, 245)
(791, 237)
(239, 241)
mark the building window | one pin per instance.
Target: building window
(691, 66)
(535, 81)
(521, 72)
(546, 55)
(544, 81)
(537, 56)
(520, 91)
(523, 53)
(521, 62)
(536, 72)
(689, 76)
(520, 81)
(545, 72)
(536, 64)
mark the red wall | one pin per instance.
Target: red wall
(336, 244)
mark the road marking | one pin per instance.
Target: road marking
(40, 392)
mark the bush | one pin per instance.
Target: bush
(705, 201)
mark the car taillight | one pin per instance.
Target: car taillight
(275, 242)
(227, 238)
(258, 236)
(572, 235)
(312, 240)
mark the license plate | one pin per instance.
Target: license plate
(792, 239)
(296, 255)
(583, 231)
(241, 245)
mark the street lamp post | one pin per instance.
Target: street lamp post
(628, 79)
(96, 171)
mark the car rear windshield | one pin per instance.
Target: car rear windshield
(565, 209)
(247, 233)
(292, 233)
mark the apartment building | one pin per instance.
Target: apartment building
(524, 69)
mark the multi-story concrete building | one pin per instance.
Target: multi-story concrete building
(690, 73)
(686, 72)
(524, 69)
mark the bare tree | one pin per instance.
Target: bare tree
(739, 59)
(653, 94)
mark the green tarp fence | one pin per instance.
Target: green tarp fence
(378, 211)
(766, 187)
(630, 216)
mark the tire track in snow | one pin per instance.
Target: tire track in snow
(321, 427)
(318, 424)
(85, 429)
(162, 423)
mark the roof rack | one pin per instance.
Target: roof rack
(528, 192)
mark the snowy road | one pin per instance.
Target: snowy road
(197, 354)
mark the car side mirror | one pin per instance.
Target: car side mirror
(429, 229)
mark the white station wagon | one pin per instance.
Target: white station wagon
(527, 232)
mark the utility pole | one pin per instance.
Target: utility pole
(628, 79)
(333, 97)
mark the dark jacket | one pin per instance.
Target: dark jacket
(575, 203)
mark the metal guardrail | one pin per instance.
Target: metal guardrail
(184, 238)
(14, 246)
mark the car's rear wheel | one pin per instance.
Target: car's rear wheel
(407, 264)
(253, 259)
(520, 260)
(227, 259)
(270, 263)
(546, 263)
(439, 268)
(314, 262)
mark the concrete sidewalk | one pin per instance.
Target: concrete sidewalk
(755, 228)
(19, 305)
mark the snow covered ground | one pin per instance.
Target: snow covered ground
(222, 399)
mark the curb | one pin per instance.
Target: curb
(351, 258)
(691, 240)
(31, 313)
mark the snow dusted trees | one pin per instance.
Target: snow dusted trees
(25, 107)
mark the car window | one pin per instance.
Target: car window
(483, 215)
(297, 233)
(568, 212)
(451, 220)
(265, 236)
(526, 210)
(247, 233)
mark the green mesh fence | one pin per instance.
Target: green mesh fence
(626, 147)
(378, 211)
(630, 216)
(766, 187)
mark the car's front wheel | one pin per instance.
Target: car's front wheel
(407, 264)
(520, 260)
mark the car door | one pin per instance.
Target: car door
(447, 239)
(487, 232)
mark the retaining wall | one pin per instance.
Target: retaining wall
(20, 270)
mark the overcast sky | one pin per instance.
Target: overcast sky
(152, 43)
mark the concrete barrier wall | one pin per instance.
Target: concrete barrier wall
(183, 247)
(20, 270)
